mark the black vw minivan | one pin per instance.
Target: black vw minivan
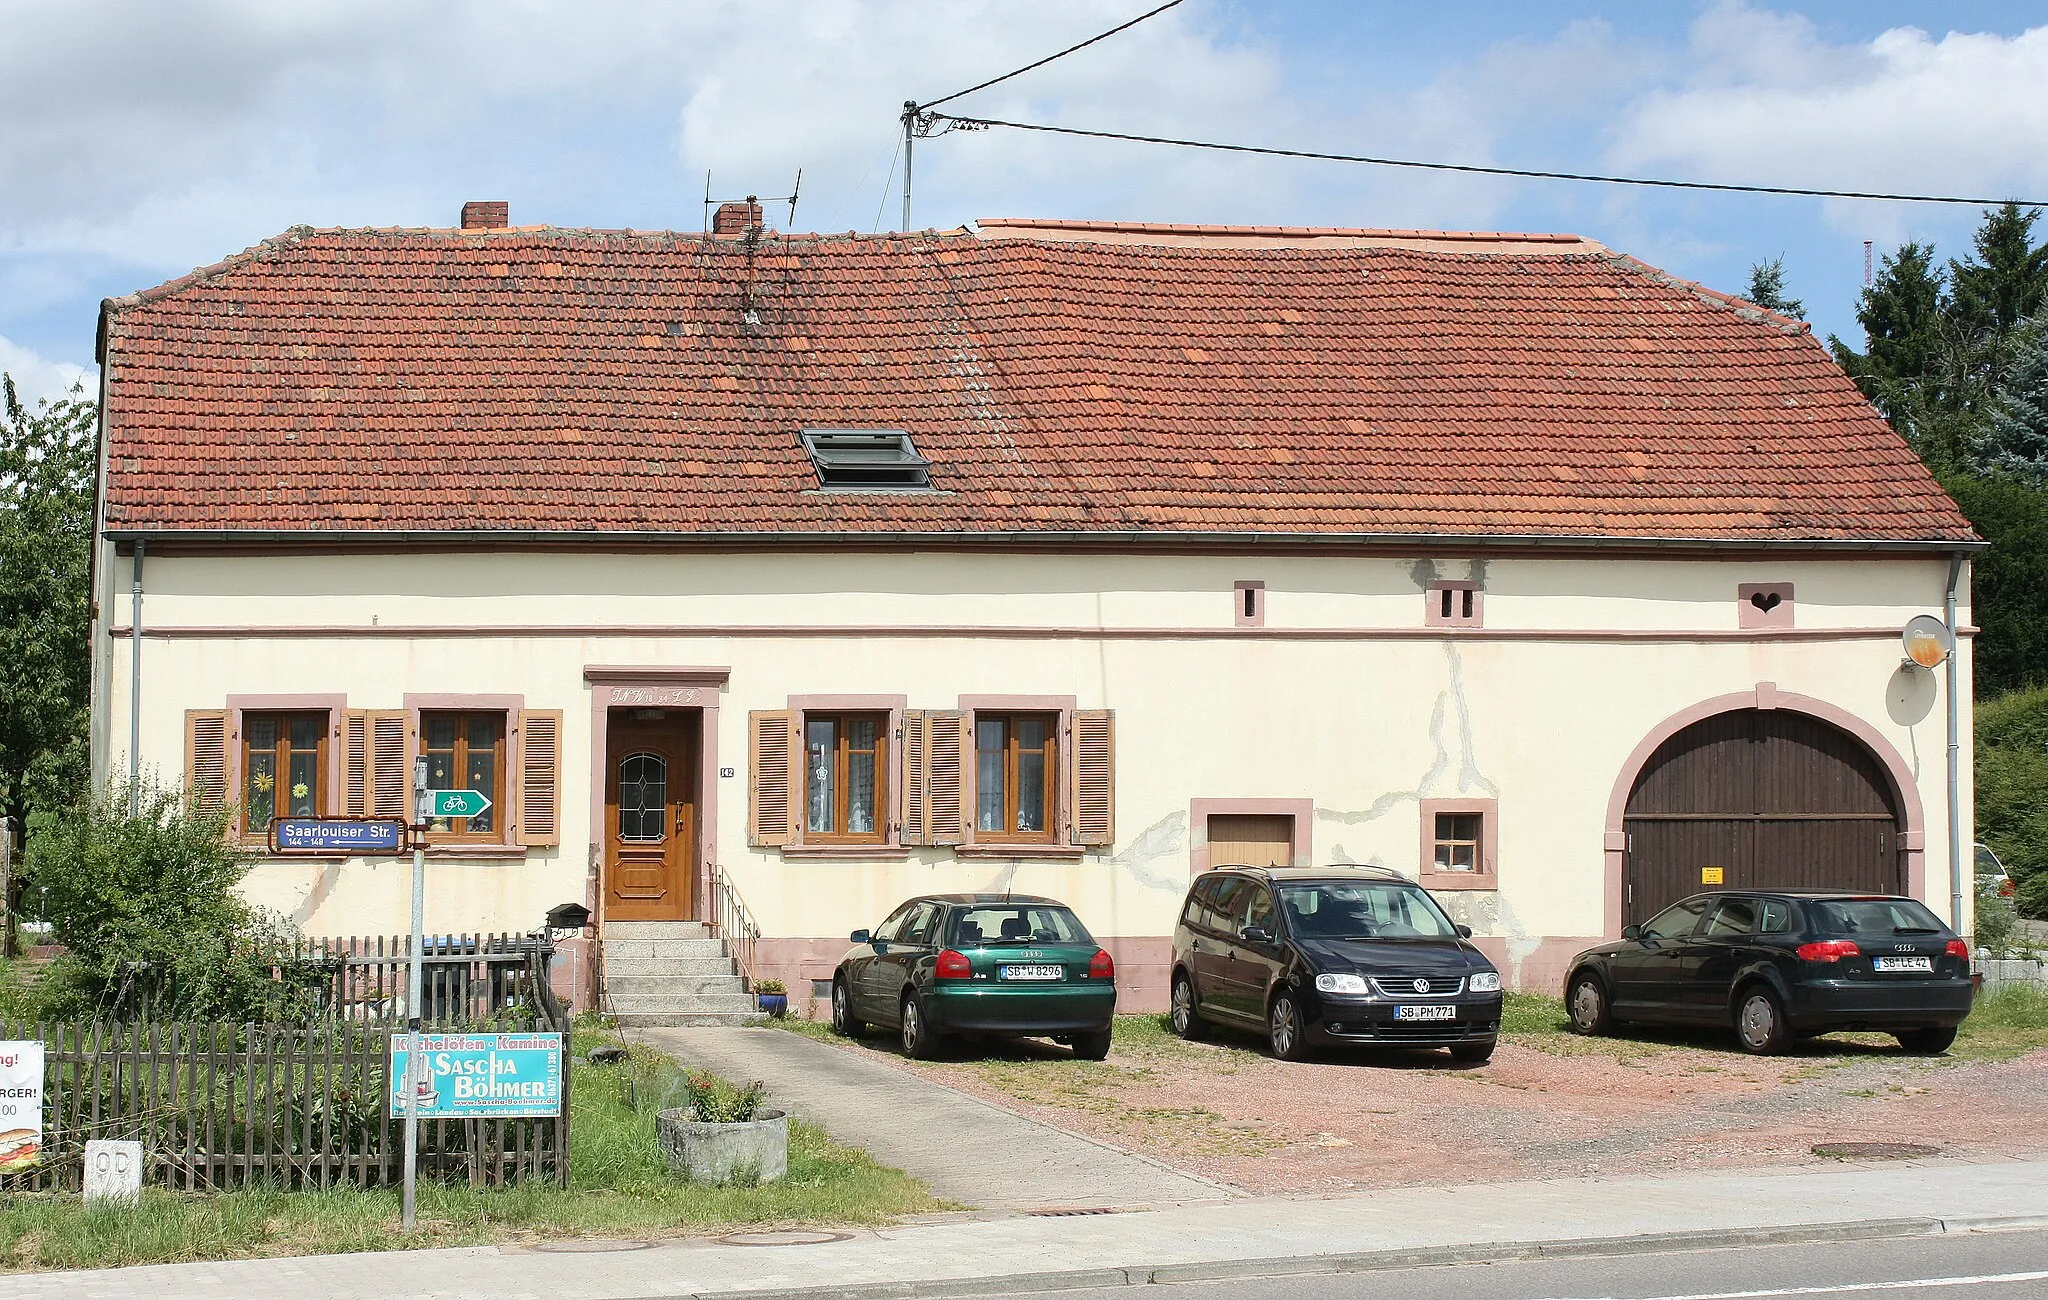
(1341, 955)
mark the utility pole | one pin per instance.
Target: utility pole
(909, 141)
(413, 1065)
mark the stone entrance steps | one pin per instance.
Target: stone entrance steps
(673, 973)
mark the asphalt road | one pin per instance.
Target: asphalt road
(1966, 1266)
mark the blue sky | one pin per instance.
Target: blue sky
(141, 140)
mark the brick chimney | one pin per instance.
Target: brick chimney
(486, 214)
(735, 219)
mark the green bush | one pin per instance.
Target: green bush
(153, 926)
(2012, 790)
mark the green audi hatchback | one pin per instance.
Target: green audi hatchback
(978, 965)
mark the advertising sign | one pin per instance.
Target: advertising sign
(21, 1105)
(329, 835)
(481, 1076)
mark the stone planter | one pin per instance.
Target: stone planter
(754, 1152)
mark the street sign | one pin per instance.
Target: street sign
(456, 803)
(473, 1076)
(332, 835)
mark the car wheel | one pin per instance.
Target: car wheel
(1588, 1007)
(1285, 1031)
(1092, 1047)
(1475, 1053)
(919, 1042)
(844, 1022)
(1187, 1019)
(1760, 1023)
(1927, 1042)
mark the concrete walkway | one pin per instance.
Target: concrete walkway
(961, 1147)
(1239, 1238)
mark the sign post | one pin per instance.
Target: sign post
(421, 800)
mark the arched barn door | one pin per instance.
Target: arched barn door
(1773, 798)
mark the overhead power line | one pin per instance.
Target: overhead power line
(1150, 13)
(950, 122)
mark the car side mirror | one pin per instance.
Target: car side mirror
(1255, 934)
(1464, 931)
(1632, 933)
(861, 936)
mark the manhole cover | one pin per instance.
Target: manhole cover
(1875, 1150)
(784, 1238)
(597, 1246)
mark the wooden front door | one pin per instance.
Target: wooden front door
(1243, 840)
(650, 806)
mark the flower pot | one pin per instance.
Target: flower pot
(754, 1152)
(775, 1004)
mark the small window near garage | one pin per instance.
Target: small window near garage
(1016, 770)
(1458, 843)
(846, 765)
(1250, 607)
(466, 751)
(1764, 604)
(866, 460)
(1454, 604)
(284, 768)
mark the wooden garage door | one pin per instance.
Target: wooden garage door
(1241, 840)
(1773, 798)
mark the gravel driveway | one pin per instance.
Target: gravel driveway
(1547, 1105)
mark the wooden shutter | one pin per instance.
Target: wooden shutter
(385, 782)
(774, 790)
(948, 745)
(914, 777)
(538, 820)
(206, 757)
(1094, 799)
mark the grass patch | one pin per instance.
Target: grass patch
(2009, 1020)
(619, 1187)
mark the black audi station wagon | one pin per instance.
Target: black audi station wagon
(1777, 966)
(1358, 956)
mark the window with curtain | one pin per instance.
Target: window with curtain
(284, 768)
(1015, 770)
(845, 777)
(466, 751)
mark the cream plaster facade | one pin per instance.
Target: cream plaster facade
(1343, 698)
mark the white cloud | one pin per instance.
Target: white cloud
(37, 377)
(1770, 101)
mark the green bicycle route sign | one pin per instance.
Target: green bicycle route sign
(456, 803)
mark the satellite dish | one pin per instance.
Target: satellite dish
(1929, 643)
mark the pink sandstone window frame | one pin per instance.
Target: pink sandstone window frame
(1252, 593)
(1303, 811)
(1061, 843)
(1488, 874)
(1750, 616)
(507, 843)
(891, 844)
(1432, 612)
(335, 706)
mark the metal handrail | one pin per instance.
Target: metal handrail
(734, 923)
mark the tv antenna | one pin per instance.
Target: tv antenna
(711, 204)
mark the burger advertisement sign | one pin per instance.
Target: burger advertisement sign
(21, 1105)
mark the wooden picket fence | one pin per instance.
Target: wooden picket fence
(217, 1106)
(465, 979)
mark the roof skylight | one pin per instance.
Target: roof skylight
(867, 460)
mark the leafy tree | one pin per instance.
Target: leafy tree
(1767, 289)
(2012, 790)
(47, 463)
(2009, 580)
(2015, 439)
(150, 917)
(1917, 370)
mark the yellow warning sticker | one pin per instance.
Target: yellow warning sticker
(1710, 875)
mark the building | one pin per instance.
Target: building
(815, 572)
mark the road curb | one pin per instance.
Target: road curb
(1376, 1260)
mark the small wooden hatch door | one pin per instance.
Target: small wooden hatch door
(1251, 840)
(650, 814)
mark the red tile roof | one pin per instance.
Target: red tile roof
(553, 380)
